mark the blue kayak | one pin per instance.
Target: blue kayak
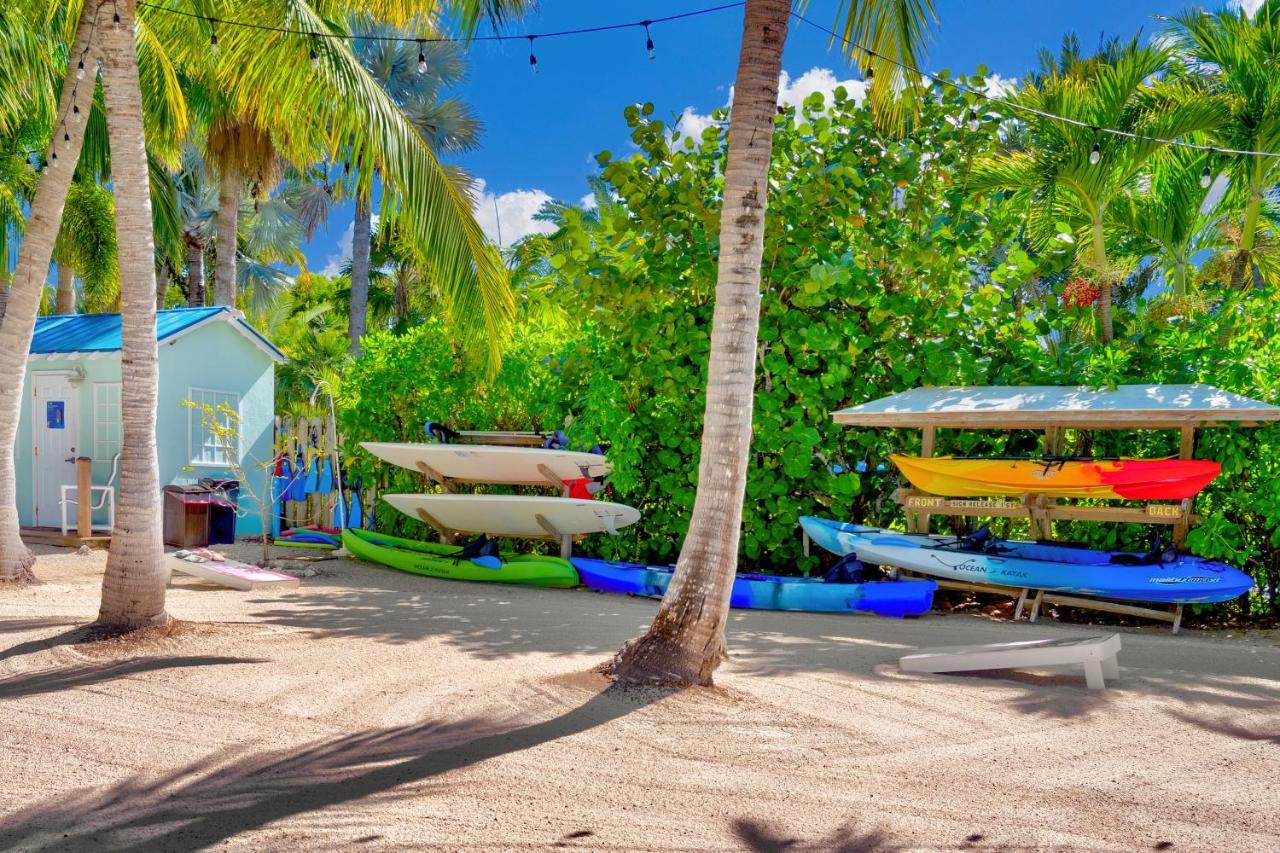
(769, 592)
(1157, 577)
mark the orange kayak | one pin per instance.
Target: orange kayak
(1128, 479)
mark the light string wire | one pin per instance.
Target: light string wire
(645, 24)
(452, 39)
(73, 107)
(1015, 105)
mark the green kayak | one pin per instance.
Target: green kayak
(439, 561)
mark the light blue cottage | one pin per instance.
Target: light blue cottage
(71, 405)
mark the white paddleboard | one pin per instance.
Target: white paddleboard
(517, 515)
(480, 463)
(230, 573)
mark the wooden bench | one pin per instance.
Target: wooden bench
(1096, 654)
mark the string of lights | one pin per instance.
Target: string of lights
(1095, 155)
(317, 37)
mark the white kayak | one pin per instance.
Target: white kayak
(482, 463)
(532, 516)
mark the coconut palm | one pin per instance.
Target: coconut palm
(86, 246)
(27, 287)
(686, 641)
(1234, 57)
(413, 75)
(1072, 174)
(340, 106)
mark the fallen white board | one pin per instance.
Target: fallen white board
(480, 463)
(230, 573)
(1096, 654)
(517, 515)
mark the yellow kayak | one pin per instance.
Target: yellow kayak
(1127, 479)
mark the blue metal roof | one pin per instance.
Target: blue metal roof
(86, 333)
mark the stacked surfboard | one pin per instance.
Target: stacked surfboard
(454, 514)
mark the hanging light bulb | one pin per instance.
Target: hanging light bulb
(422, 58)
(213, 37)
(973, 119)
(115, 19)
(315, 57)
(66, 139)
(533, 60)
(53, 157)
(1206, 177)
(80, 69)
(1096, 154)
(648, 40)
(75, 113)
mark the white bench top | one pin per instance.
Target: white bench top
(1026, 653)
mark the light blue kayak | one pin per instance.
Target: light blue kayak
(769, 592)
(1159, 577)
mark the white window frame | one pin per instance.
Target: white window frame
(99, 422)
(192, 423)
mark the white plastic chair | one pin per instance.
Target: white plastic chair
(107, 499)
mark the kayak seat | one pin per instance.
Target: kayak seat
(848, 569)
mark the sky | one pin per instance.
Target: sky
(542, 131)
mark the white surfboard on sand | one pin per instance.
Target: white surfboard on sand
(532, 517)
(230, 573)
(479, 463)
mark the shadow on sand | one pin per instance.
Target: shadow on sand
(196, 806)
(71, 677)
(759, 837)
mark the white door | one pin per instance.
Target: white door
(55, 440)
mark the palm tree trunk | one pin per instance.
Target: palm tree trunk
(66, 301)
(402, 294)
(27, 288)
(362, 229)
(686, 641)
(195, 274)
(133, 588)
(1106, 328)
(224, 272)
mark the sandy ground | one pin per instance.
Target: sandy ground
(373, 710)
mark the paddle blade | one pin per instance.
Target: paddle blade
(487, 562)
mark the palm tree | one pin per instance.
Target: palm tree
(413, 75)
(686, 641)
(242, 152)
(1168, 218)
(1234, 57)
(1072, 174)
(86, 246)
(27, 287)
(133, 586)
(340, 106)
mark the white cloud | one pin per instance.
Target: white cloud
(588, 201)
(510, 213)
(333, 264)
(790, 91)
(816, 80)
(1250, 6)
(998, 86)
(692, 123)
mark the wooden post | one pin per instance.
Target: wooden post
(1187, 446)
(446, 485)
(553, 480)
(919, 521)
(84, 497)
(446, 535)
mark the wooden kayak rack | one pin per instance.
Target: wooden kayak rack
(449, 485)
(1053, 410)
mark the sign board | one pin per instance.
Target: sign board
(55, 414)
